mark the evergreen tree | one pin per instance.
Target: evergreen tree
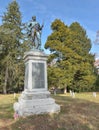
(84, 76)
(11, 65)
(70, 49)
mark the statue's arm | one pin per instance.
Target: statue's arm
(42, 27)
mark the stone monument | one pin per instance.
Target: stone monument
(35, 99)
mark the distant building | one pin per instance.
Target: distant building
(96, 64)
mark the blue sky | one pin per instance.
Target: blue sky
(86, 12)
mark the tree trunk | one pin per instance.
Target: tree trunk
(65, 90)
(6, 79)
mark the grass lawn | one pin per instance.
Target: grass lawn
(79, 113)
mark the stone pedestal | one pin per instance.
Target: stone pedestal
(35, 99)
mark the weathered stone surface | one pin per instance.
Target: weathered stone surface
(35, 99)
(28, 105)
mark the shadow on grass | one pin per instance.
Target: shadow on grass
(75, 114)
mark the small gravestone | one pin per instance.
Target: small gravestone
(73, 94)
(94, 94)
(70, 93)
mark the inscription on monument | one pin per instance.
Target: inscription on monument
(38, 75)
(26, 75)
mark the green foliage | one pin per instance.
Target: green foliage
(97, 83)
(11, 65)
(70, 63)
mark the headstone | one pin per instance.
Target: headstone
(35, 99)
(14, 95)
(94, 94)
(73, 94)
(70, 93)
